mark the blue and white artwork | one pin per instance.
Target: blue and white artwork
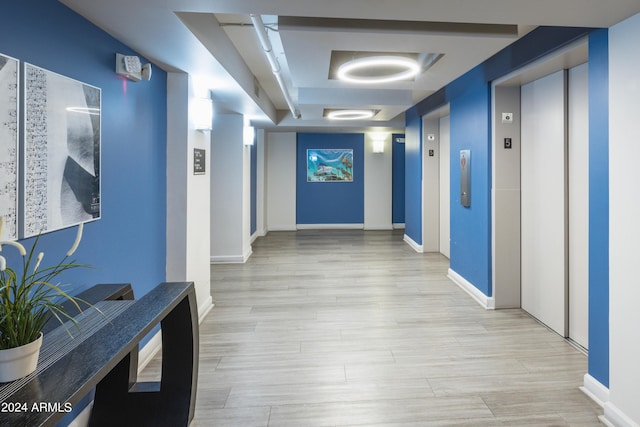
(335, 165)
(9, 146)
(61, 152)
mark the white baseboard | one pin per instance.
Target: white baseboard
(204, 309)
(416, 247)
(258, 233)
(398, 226)
(282, 228)
(613, 416)
(330, 226)
(384, 227)
(595, 390)
(231, 259)
(487, 302)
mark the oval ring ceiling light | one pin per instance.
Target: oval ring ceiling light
(378, 69)
(350, 114)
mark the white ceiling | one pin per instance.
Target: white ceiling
(214, 41)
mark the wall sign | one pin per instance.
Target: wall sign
(199, 161)
(465, 178)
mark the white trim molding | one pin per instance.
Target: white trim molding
(330, 226)
(416, 247)
(378, 227)
(487, 302)
(204, 309)
(595, 390)
(282, 228)
(232, 259)
(397, 225)
(615, 417)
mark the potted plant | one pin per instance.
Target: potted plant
(29, 297)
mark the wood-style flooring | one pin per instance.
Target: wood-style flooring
(354, 328)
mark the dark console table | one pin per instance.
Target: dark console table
(102, 354)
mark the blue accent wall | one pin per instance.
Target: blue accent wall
(330, 202)
(599, 206)
(470, 231)
(413, 176)
(397, 179)
(128, 244)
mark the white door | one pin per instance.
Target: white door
(578, 117)
(445, 192)
(543, 200)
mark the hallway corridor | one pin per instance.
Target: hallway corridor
(342, 328)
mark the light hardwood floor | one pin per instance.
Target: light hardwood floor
(346, 328)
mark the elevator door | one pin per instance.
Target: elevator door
(578, 174)
(543, 201)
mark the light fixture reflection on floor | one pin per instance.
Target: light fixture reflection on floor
(350, 114)
(363, 70)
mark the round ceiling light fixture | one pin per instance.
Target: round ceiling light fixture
(350, 114)
(378, 69)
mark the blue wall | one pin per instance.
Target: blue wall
(470, 231)
(599, 206)
(413, 176)
(330, 202)
(128, 243)
(397, 179)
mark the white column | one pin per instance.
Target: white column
(624, 229)
(377, 183)
(280, 158)
(230, 191)
(261, 228)
(187, 194)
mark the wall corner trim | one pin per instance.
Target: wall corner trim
(595, 390)
(487, 302)
(613, 416)
(415, 246)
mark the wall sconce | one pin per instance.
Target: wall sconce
(378, 142)
(202, 113)
(248, 134)
(130, 67)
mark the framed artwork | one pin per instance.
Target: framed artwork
(334, 165)
(61, 159)
(9, 78)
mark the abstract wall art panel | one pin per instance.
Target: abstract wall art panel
(61, 164)
(9, 70)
